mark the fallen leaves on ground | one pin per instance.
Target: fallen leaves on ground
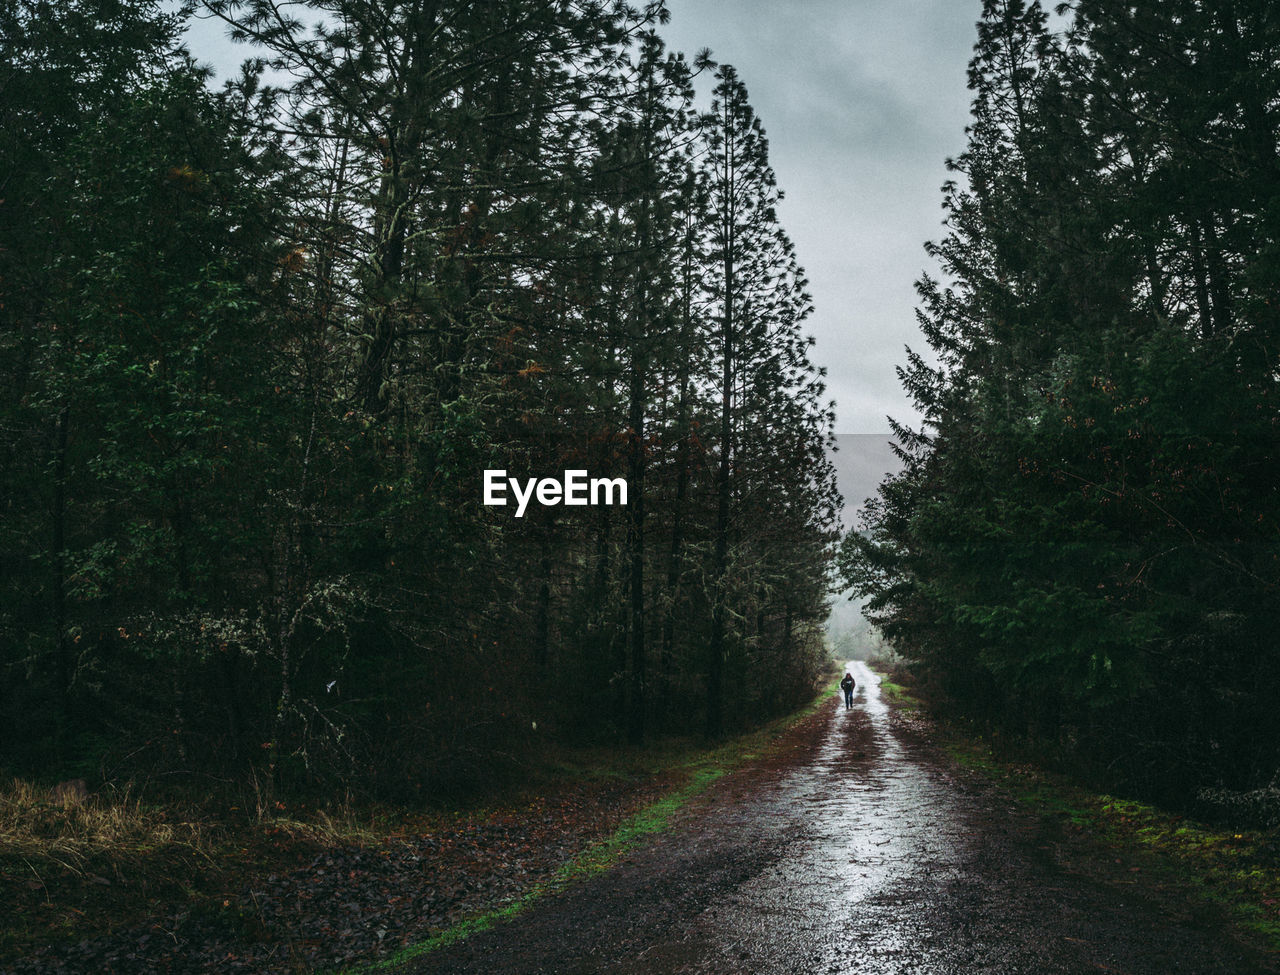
(295, 905)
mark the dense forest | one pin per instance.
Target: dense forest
(260, 343)
(1083, 546)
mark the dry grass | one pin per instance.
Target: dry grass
(37, 825)
(344, 828)
(77, 866)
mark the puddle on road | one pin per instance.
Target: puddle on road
(880, 864)
(859, 853)
(863, 833)
(871, 832)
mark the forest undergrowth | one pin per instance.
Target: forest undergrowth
(118, 865)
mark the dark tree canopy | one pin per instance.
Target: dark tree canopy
(260, 345)
(1082, 546)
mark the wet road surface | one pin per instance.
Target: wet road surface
(859, 849)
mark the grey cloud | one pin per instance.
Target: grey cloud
(863, 101)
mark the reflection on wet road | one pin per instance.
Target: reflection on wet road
(858, 851)
(868, 834)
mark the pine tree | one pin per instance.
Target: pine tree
(759, 301)
(142, 287)
(1059, 543)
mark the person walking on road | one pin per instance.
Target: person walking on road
(847, 685)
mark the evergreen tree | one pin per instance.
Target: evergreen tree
(758, 300)
(142, 287)
(1059, 553)
(264, 341)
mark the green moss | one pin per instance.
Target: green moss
(595, 859)
(652, 819)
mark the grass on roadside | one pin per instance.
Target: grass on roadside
(1238, 870)
(598, 857)
(74, 865)
(899, 695)
(696, 770)
(87, 865)
(36, 824)
(60, 854)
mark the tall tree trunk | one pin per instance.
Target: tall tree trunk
(402, 139)
(716, 647)
(63, 652)
(543, 623)
(1201, 275)
(675, 553)
(635, 543)
(1219, 279)
(636, 468)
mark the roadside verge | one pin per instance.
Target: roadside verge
(110, 882)
(693, 776)
(1232, 871)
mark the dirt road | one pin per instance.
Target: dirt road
(859, 849)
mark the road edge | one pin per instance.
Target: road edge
(703, 771)
(1233, 872)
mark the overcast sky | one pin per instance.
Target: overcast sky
(862, 101)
